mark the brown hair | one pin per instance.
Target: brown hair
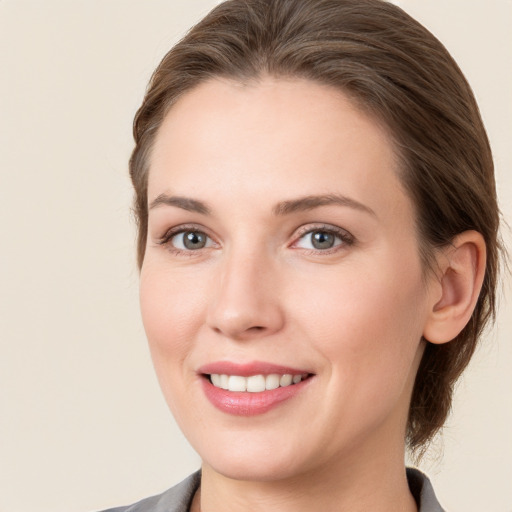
(392, 67)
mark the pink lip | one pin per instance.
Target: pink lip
(248, 369)
(249, 404)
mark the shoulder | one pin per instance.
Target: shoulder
(179, 497)
(175, 499)
(423, 492)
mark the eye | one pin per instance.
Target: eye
(190, 240)
(323, 239)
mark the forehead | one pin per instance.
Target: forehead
(224, 136)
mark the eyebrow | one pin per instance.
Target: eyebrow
(185, 203)
(283, 208)
(314, 201)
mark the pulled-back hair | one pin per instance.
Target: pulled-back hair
(399, 73)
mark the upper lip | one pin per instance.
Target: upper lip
(248, 369)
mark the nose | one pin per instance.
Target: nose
(245, 302)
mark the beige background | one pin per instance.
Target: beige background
(83, 425)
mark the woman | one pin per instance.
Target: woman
(318, 251)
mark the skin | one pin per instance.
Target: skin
(352, 315)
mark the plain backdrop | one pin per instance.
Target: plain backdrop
(82, 422)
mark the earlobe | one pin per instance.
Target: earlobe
(462, 270)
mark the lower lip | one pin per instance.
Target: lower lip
(250, 404)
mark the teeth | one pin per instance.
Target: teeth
(286, 380)
(216, 380)
(224, 381)
(236, 383)
(254, 383)
(272, 381)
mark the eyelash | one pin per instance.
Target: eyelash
(169, 235)
(346, 238)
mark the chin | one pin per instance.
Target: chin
(240, 468)
(252, 461)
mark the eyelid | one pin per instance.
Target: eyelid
(182, 228)
(345, 236)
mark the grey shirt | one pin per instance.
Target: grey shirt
(179, 497)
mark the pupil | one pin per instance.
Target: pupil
(194, 240)
(323, 240)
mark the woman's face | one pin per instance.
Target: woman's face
(281, 247)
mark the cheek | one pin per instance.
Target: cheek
(369, 325)
(172, 309)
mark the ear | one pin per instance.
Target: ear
(461, 274)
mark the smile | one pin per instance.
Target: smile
(255, 383)
(251, 388)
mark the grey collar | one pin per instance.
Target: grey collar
(179, 497)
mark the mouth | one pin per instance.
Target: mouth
(255, 383)
(252, 388)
